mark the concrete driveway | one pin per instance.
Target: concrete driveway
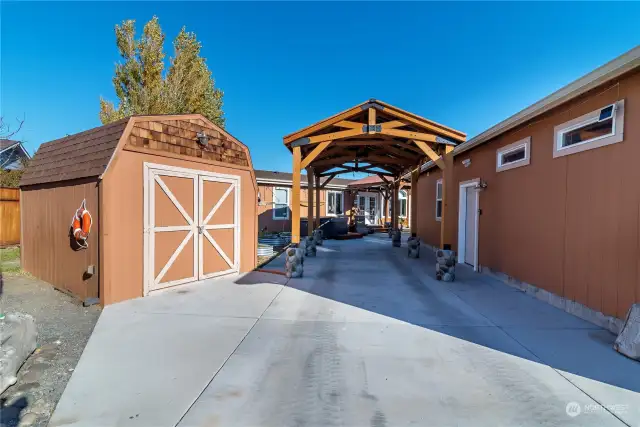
(367, 338)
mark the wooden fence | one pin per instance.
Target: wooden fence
(9, 216)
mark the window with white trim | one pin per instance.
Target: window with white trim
(514, 155)
(402, 197)
(439, 199)
(281, 203)
(598, 128)
(334, 203)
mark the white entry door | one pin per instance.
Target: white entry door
(470, 226)
(367, 202)
(191, 225)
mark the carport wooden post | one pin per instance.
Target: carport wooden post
(316, 219)
(413, 212)
(310, 191)
(394, 204)
(295, 196)
(447, 185)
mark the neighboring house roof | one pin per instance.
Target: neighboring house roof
(11, 151)
(286, 178)
(83, 155)
(613, 69)
(371, 179)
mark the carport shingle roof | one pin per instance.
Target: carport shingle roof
(83, 155)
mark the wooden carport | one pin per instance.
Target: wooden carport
(372, 137)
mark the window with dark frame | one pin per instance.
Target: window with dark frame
(513, 156)
(439, 199)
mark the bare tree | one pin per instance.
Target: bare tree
(5, 128)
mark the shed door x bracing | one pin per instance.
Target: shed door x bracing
(191, 225)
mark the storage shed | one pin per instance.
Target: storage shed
(172, 201)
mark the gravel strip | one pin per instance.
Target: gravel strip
(64, 327)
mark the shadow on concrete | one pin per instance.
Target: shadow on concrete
(372, 276)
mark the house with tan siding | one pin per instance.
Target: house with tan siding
(274, 199)
(549, 197)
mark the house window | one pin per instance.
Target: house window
(281, 203)
(372, 207)
(598, 128)
(334, 203)
(439, 200)
(402, 197)
(514, 155)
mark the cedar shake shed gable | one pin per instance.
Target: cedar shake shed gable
(88, 154)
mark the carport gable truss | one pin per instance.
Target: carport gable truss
(372, 137)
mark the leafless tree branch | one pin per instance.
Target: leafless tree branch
(5, 128)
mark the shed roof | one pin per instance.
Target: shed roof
(88, 154)
(83, 155)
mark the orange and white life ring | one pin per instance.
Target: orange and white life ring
(81, 224)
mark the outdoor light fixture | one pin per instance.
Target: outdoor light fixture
(203, 139)
(466, 163)
(481, 185)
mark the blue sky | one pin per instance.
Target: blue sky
(284, 66)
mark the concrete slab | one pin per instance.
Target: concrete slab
(366, 337)
(148, 359)
(246, 295)
(317, 373)
(587, 359)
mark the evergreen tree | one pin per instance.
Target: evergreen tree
(141, 86)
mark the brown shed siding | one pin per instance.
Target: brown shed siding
(46, 247)
(123, 222)
(569, 225)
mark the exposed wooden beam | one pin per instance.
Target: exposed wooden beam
(409, 135)
(349, 124)
(386, 160)
(312, 155)
(422, 124)
(327, 137)
(397, 152)
(394, 124)
(328, 180)
(364, 142)
(413, 212)
(310, 201)
(430, 153)
(316, 219)
(295, 196)
(323, 124)
(372, 119)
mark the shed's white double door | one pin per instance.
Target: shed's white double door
(191, 225)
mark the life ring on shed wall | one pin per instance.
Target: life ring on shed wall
(81, 224)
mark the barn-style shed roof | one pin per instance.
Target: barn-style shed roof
(88, 154)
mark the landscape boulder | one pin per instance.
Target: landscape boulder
(18, 336)
(628, 341)
(294, 262)
(445, 265)
(413, 245)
